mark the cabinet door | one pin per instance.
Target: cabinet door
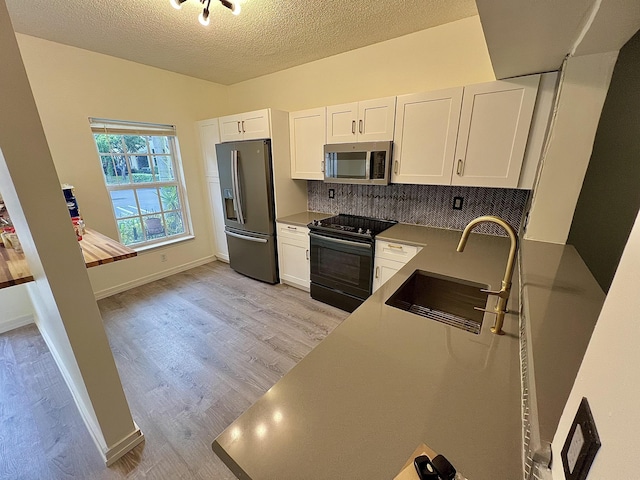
(494, 127)
(231, 128)
(255, 125)
(209, 136)
(376, 119)
(425, 137)
(308, 132)
(293, 255)
(342, 123)
(383, 270)
(215, 201)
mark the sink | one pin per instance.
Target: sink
(443, 299)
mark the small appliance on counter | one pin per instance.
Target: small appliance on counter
(342, 251)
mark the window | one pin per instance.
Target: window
(141, 172)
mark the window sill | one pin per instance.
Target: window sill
(164, 243)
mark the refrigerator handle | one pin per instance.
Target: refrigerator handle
(235, 180)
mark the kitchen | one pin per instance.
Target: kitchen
(199, 100)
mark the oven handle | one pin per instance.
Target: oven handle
(339, 240)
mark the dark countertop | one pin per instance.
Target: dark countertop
(386, 380)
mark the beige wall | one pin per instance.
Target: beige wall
(70, 85)
(584, 90)
(449, 55)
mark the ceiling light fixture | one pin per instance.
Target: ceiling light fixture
(204, 19)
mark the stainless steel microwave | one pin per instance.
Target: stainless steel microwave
(366, 163)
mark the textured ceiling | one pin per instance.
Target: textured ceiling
(268, 36)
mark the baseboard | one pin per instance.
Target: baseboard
(121, 448)
(222, 258)
(107, 292)
(17, 322)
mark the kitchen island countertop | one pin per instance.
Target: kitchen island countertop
(386, 380)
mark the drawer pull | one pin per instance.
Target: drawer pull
(397, 247)
(292, 228)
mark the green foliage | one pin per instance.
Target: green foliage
(170, 199)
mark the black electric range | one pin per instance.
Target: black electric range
(342, 252)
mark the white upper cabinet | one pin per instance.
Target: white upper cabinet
(245, 126)
(367, 121)
(425, 137)
(308, 133)
(493, 132)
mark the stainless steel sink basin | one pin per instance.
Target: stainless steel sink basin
(443, 299)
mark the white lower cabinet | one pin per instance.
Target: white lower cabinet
(389, 258)
(293, 255)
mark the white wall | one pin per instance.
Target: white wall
(609, 376)
(70, 85)
(15, 308)
(68, 316)
(448, 55)
(584, 90)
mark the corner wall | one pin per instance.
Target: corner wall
(70, 85)
(584, 89)
(610, 197)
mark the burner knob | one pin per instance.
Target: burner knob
(360, 230)
(316, 223)
(368, 232)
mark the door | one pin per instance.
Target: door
(341, 123)
(376, 119)
(308, 132)
(425, 137)
(253, 255)
(231, 128)
(255, 125)
(385, 269)
(493, 133)
(246, 185)
(341, 264)
(221, 251)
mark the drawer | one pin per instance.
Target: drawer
(397, 252)
(293, 232)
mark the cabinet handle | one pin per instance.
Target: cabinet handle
(292, 228)
(322, 166)
(460, 168)
(307, 253)
(395, 167)
(377, 272)
(360, 126)
(353, 127)
(243, 130)
(239, 131)
(397, 247)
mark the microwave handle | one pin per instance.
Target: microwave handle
(367, 165)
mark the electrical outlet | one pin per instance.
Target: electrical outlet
(332, 193)
(163, 257)
(457, 203)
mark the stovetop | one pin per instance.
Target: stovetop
(352, 225)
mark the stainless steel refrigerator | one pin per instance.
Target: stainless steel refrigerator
(246, 184)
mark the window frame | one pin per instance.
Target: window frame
(126, 128)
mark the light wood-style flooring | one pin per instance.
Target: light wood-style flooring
(193, 350)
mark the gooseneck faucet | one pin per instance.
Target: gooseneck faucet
(503, 293)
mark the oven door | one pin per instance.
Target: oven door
(342, 264)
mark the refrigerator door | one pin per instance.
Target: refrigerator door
(253, 255)
(246, 184)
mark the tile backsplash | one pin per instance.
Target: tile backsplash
(430, 205)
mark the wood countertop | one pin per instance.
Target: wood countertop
(97, 249)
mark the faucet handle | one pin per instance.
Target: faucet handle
(482, 309)
(491, 292)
